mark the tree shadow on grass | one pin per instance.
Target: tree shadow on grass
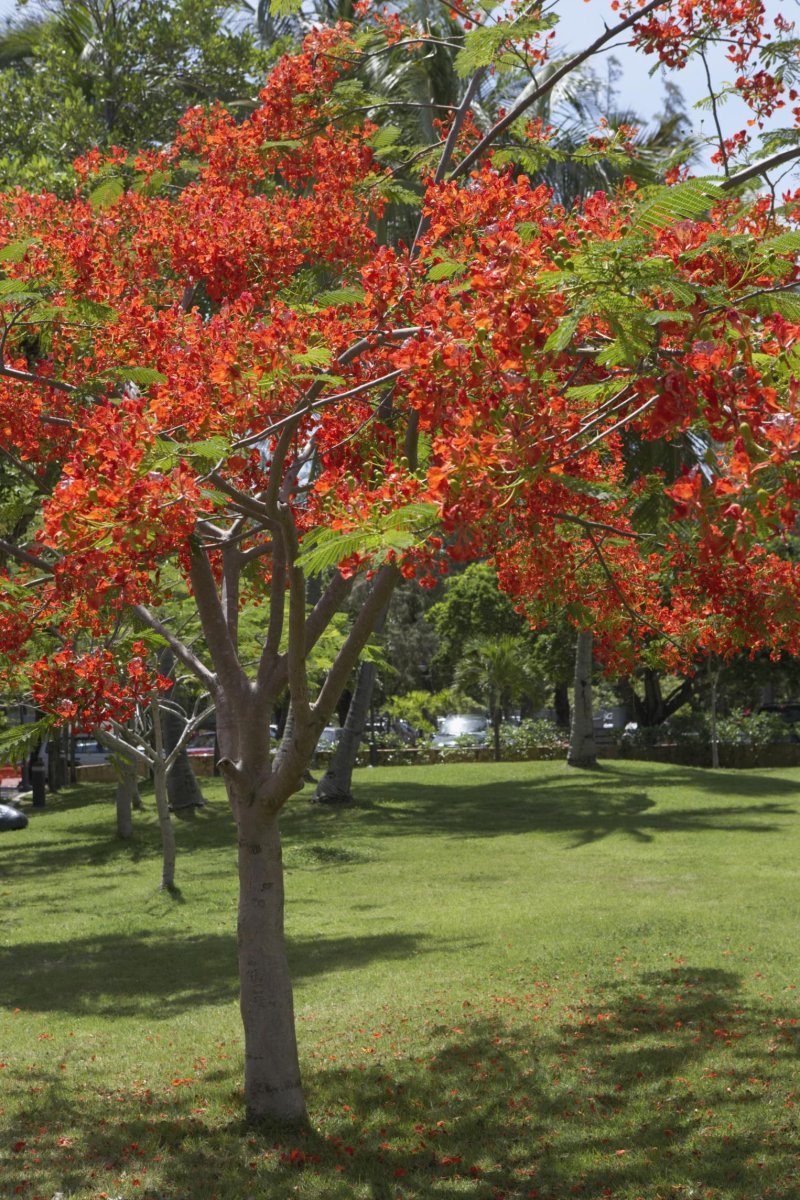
(654, 1085)
(160, 977)
(48, 845)
(585, 807)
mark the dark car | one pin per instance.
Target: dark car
(11, 818)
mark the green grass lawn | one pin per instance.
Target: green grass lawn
(511, 982)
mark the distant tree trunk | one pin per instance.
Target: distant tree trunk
(336, 785)
(52, 762)
(582, 746)
(168, 848)
(497, 717)
(714, 673)
(561, 705)
(653, 708)
(182, 786)
(127, 797)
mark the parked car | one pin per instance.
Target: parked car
(459, 729)
(328, 739)
(11, 818)
(202, 744)
(89, 753)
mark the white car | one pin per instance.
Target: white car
(460, 729)
(89, 753)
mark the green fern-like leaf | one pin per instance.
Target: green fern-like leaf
(689, 201)
(19, 740)
(141, 376)
(482, 46)
(396, 531)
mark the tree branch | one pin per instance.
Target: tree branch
(229, 672)
(382, 587)
(271, 650)
(525, 103)
(178, 648)
(23, 556)
(756, 169)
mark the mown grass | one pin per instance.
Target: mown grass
(511, 981)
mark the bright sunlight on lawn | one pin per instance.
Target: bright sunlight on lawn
(511, 981)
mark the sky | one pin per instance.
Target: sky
(643, 93)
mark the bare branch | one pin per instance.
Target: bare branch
(270, 653)
(296, 650)
(761, 168)
(229, 672)
(253, 439)
(178, 648)
(525, 103)
(23, 556)
(382, 587)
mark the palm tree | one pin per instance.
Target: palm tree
(582, 746)
(500, 673)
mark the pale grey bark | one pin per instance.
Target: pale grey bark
(168, 847)
(714, 672)
(127, 796)
(183, 789)
(582, 747)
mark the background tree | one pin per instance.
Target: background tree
(498, 671)
(75, 74)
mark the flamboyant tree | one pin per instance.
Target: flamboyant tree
(209, 360)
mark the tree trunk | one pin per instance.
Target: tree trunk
(714, 673)
(496, 719)
(273, 1090)
(182, 786)
(336, 785)
(561, 705)
(582, 746)
(168, 848)
(127, 797)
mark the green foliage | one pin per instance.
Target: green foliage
(392, 532)
(744, 728)
(689, 201)
(107, 192)
(141, 376)
(17, 741)
(420, 708)
(499, 671)
(113, 74)
(531, 736)
(472, 606)
(339, 297)
(485, 44)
